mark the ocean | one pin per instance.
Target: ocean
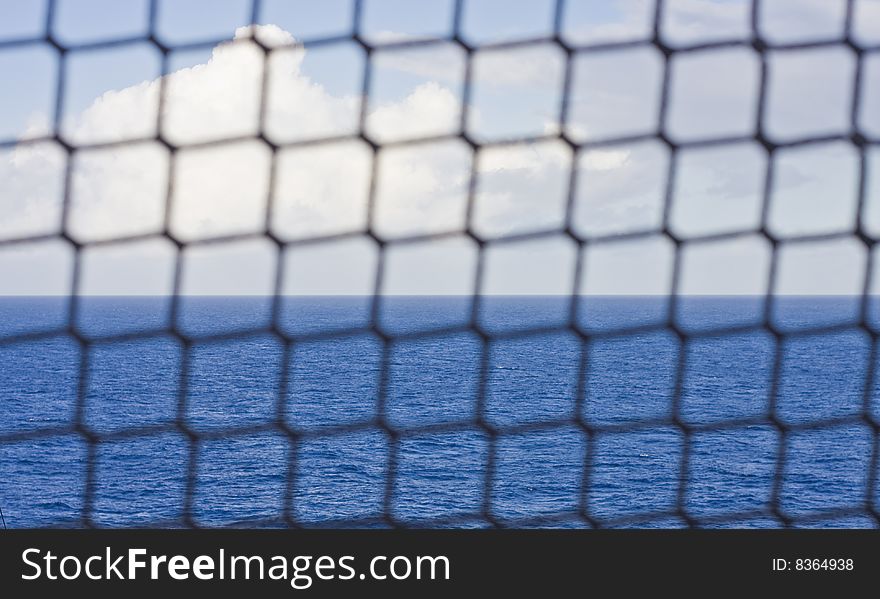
(430, 391)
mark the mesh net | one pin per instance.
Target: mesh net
(568, 48)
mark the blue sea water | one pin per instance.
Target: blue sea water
(336, 380)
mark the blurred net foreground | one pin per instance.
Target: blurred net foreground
(613, 271)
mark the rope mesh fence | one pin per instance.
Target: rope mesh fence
(855, 136)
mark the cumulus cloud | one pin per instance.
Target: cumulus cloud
(430, 109)
(31, 184)
(223, 189)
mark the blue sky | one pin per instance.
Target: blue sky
(415, 93)
(31, 69)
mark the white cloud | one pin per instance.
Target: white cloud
(118, 192)
(430, 109)
(422, 189)
(322, 190)
(31, 184)
(537, 201)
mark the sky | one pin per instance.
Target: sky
(213, 93)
